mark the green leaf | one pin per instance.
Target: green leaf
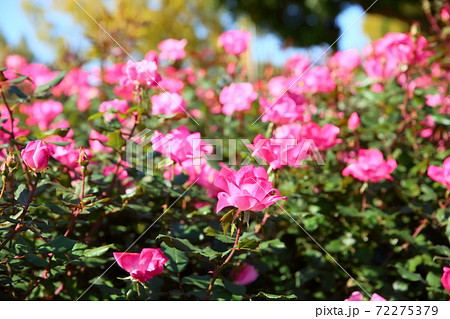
(226, 220)
(233, 288)
(98, 251)
(408, 275)
(57, 209)
(60, 143)
(209, 231)
(15, 90)
(59, 131)
(18, 80)
(442, 250)
(180, 244)
(55, 81)
(248, 244)
(433, 280)
(268, 296)
(177, 259)
(22, 194)
(58, 245)
(36, 260)
(441, 119)
(115, 140)
(199, 281)
(95, 116)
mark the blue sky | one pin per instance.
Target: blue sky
(15, 25)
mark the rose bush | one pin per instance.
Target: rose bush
(149, 164)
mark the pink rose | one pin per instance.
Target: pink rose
(288, 131)
(180, 145)
(244, 275)
(97, 141)
(446, 278)
(5, 135)
(377, 297)
(171, 85)
(434, 99)
(283, 111)
(120, 172)
(114, 73)
(234, 41)
(168, 103)
(144, 73)
(278, 152)
(278, 85)
(247, 189)
(355, 296)
(317, 80)
(370, 166)
(36, 155)
(353, 121)
(237, 97)
(324, 137)
(172, 49)
(144, 266)
(42, 113)
(297, 64)
(77, 82)
(66, 155)
(348, 60)
(441, 174)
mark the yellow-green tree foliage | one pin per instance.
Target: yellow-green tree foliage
(137, 25)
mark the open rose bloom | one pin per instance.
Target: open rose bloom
(446, 278)
(441, 174)
(358, 296)
(370, 166)
(247, 189)
(143, 266)
(234, 41)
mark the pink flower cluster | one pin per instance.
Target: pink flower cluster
(293, 143)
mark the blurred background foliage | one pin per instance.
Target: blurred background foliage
(142, 24)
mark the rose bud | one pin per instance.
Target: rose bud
(36, 155)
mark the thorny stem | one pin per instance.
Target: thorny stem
(217, 271)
